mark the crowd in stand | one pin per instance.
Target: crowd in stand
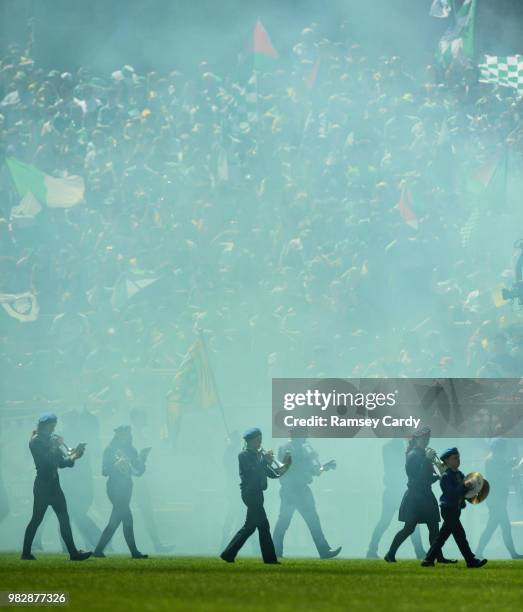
(317, 219)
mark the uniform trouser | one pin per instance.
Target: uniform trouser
(408, 530)
(389, 506)
(233, 518)
(256, 519)
(301, 500)
(120, 497)
(498, 515)
(451, 526)
(49, 494)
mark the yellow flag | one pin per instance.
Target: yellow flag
(193, 386)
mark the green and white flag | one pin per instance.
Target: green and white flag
(129, 285)
(458, 40)
(506, 71)
(49, 190)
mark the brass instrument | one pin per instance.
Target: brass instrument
(275, 465)
(438, 464)
(123, 463)
(480, 489)
(59, 444)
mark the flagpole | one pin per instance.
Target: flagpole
(220, 405)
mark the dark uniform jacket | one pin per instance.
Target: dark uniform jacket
(419, 504)
(453, 490)
(254, 472)
(122, 471)
(305, 465)
(48, 457)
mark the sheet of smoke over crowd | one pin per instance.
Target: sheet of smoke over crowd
(396, 407)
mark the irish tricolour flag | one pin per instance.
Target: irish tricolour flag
(33, 184)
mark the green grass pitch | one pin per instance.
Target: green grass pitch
(186, 583)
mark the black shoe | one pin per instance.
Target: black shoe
(226, 559)
(99, 554)
(389, 558)
(445, 561)
(28, 557)
(477, 563)
(332, 552)
(272, 562)
(139, 555)
(80, 555)
(426, 563)
(372, 554)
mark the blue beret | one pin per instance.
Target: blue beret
(47, 417)
(122, 428)
(448, 453)
(253, 432)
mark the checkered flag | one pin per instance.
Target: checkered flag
(505, 71)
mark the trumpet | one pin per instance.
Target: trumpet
(275, 466)
(68, 451)
(438, 464)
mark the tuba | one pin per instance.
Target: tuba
(480, 488)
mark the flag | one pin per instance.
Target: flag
(487, 183)
(506, 71)
(129, 285)
(310, 79)
(458, 40)
(440, 8)
(25, 212)
(193, 386)
(21, 306)
(49, 190)
(483, 176)
(405, 207)
(261, 46)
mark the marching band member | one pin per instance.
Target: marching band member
(255, 467)
(296, 494)
(499, 469)
(419, 504)
(48, 455)
(121, 461)
(393, 453)
(452, 501)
